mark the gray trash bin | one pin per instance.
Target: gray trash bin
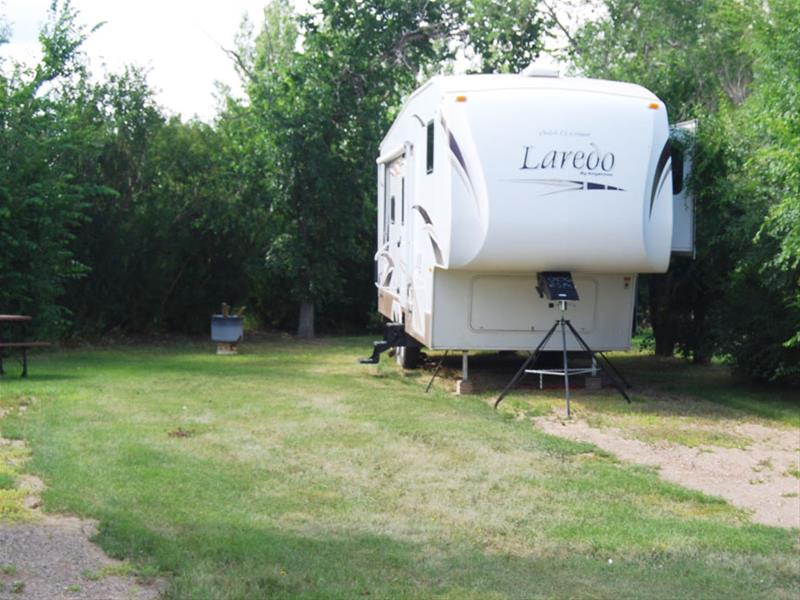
(227, 332)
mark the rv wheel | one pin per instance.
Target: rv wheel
(408, 356)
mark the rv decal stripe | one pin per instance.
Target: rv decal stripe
(666, 152)
(667, 173)
(457, 151)
(569, 185)
(437, 252)
(459, 156)
(423, 213)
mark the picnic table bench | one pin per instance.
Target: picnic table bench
(22, 347)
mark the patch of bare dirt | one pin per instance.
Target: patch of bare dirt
(53, 559)
(50, 557)
(757, 478)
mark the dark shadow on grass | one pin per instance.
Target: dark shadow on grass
(34, 377)
(668, 386)
(223, 562)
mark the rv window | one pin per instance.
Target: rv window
(392, 210)
(403, 201)
(429, 155)
(677, 170)
(386, 206)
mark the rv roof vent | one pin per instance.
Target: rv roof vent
(539, 69)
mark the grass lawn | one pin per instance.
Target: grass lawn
(676, 402)
(291, 471)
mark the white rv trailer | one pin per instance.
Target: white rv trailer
(486, 180)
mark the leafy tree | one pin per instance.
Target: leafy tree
(500, 36)
(4, 31)
(112, 216)
(691, 54)
(324, 106)
(174, 236)
(775, 117)
(729, 62)
(765, 343)
(42, 145)
(680, 52)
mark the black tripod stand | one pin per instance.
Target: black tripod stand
(616, 378)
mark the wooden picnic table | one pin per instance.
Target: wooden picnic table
(21, 346)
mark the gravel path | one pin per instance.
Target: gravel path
(50, 557)
(757, 478)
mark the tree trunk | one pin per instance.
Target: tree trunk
(660, 317)
(665, 343)
(701, 353)
(305, 325)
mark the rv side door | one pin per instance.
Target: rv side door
(396, 209)
(683, 226)
(391, 212)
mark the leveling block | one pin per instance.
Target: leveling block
(558, 286)
(224, 349)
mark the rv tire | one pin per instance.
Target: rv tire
(408, 356)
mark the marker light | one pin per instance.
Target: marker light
(653, 105)
(461, 98)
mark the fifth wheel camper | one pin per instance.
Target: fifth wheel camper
(486, 181)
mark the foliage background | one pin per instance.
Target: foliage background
(117, 218)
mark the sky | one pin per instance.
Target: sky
(179, 41)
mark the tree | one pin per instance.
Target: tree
(42, 145)
(324, 107)
(112, 216)
(765, 344)
(694, 56)
(498, 35)
(175, 235)
(729, 62)
(691, 54)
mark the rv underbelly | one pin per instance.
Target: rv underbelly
(502, 311)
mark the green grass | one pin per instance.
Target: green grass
(11, 497)
(650, 417)
(302, 474)
(7, 481)
(118, 570)
(18, 587)
(8, 570)
(676, 402)
(712, 383)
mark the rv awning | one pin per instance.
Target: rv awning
(391, 155)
